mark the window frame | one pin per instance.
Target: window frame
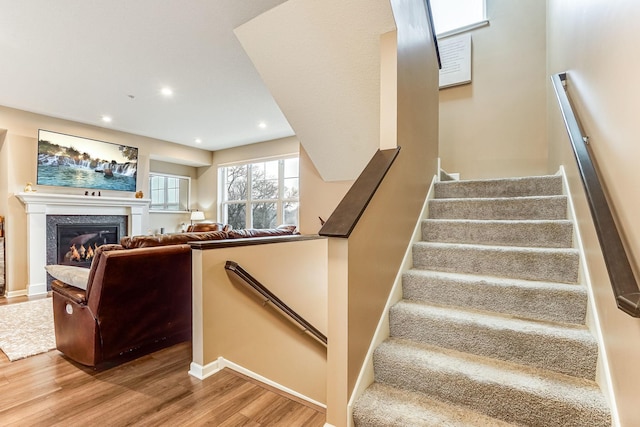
(467, 27)
(164, 209)
(249, 202)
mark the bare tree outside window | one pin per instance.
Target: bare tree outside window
(260, 195)
(236, 190)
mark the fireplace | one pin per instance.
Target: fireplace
(72, 239)
(45, 210)
(77, 243)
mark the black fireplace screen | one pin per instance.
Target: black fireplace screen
(77, 243)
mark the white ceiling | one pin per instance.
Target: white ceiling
(82, 59)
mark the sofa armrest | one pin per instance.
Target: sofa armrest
(77, 295)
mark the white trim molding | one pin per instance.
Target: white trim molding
(593, 319)
(201, 372)
(39, 205)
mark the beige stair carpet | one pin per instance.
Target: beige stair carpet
(491, 330)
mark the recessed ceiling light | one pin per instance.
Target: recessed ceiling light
(198, 141)
(107, 119)
(262, 125)
(166, 91)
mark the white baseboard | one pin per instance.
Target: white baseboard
(37, 289)
(202, 372)
(20, 293)
(593, 321)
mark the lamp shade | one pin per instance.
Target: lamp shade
(197, 216)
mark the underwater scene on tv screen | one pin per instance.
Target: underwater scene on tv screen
(71, 161)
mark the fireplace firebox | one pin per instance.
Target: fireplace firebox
(72, 239)
(77, 243)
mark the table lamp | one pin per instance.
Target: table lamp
(196, 216)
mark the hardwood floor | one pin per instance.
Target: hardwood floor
(154, 390)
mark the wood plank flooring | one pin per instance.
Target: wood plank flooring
(154, 390)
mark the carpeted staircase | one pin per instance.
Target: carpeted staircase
(491, 328)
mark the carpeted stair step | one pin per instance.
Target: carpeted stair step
(514, 208)
(509, 392)
(386, 406)
(505, 187)
(548, 234)
(544, 264)
(567, 349)
(556, 302)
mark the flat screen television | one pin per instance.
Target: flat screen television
(72, 161)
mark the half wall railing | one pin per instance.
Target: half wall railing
(623, 281)
(270, 297)
(346, 215)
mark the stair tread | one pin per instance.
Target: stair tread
(563, 303)
(529, 233)
(499, 199)
(498, 248)
(527, 207)
(499, 221)
(565, 348)
(547, 184)
(496, 320)
(499, 281)
(529, 263)
(384, 405)
(486, 370)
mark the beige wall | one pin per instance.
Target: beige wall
(320, 61)
(19, 153)
(374, 252)
(171, 222)
(318, 198)
(595, 41)
(496, 126)
(232, 323)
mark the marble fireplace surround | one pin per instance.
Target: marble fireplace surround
(39, 205)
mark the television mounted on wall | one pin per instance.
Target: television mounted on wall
(72, 161)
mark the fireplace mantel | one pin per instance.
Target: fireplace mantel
(51, 200)
(39, 205)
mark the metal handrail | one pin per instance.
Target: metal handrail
(623, 281)
(249, 280)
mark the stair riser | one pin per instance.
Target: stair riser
(536, 186)
(552, 208)
(552, 265)
(502, 401)
(381, 404)
(558, 305)
(551, 234)
(554, 352)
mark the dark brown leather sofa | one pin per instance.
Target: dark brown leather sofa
(137, 299)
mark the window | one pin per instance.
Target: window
(452, 15)
(261, 194)
(169, 192)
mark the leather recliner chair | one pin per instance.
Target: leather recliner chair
(136, 301)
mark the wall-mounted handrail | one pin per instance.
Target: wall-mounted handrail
(623, 281)
(346, 215)
(249, 280)
(433, 33)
